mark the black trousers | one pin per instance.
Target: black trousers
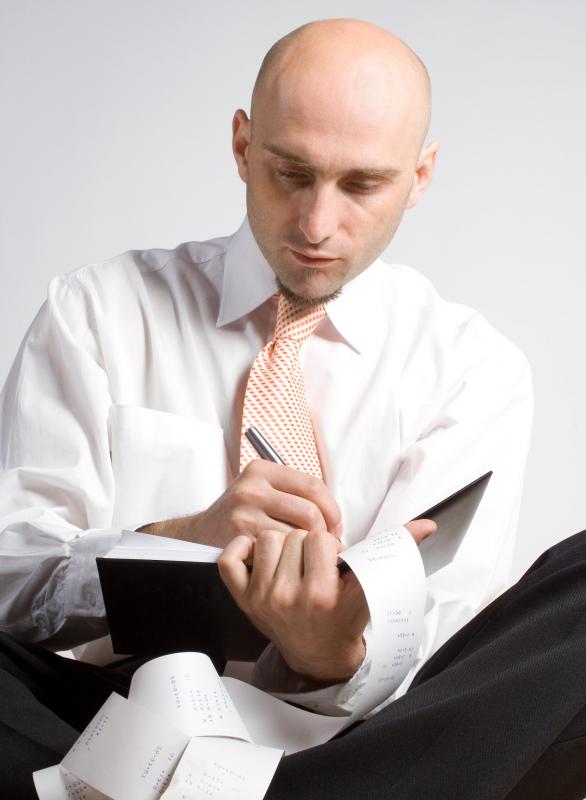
(498, 712)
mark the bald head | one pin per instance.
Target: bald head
(333, 153)
(348, 63)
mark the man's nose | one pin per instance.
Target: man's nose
(318, 219)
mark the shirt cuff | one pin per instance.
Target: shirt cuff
(71, 610)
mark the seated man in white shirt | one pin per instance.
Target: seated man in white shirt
(124, 407)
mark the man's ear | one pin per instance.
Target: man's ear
(240, 142)
(423, 172)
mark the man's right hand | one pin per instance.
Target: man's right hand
(264, 496)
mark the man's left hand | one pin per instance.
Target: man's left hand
(297, 598)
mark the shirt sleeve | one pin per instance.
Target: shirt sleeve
(482, 424)
(56, 484)
(480, 421)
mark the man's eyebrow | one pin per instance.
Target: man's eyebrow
(278, 151)
(363, 172)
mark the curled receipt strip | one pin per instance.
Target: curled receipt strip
(184, 732)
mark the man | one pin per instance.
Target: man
(149, 367)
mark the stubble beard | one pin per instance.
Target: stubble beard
(301, 301)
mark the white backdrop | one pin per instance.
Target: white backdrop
(115, 134)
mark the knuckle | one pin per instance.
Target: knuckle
(256, 495)
(250, 492)
(315, 520)
(283, 597)
(296, 534)
(241, 522)
(239, 492)
(269, 537)
(263, 538)
(314, 486)
(254, 468)
(320, 600)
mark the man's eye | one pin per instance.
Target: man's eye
(360, 187)
(291, 175)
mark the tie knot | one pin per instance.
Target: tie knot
(296, 323)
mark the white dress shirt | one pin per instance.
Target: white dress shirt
(123, 407)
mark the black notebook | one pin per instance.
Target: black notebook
(165, 595)
(156, 606)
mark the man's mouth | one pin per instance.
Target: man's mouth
(312, 260)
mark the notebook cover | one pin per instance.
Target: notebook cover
(158, 607)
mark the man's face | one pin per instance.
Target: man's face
(327, 185)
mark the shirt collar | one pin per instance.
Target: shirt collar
(358, 314)
(249, 281)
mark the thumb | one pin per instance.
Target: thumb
(420, 529)
(232, 566)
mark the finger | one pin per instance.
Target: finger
(293, 482)
(232, 568)
(298, 512)
(264, 522)
(420, 529)
(290, 569)
(267, 554)
(326, 589)
(320, 557)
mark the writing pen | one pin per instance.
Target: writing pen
(262, 447)
(268, 452)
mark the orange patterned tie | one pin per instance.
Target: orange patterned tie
(275, 400)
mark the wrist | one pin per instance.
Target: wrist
(184, 528)
(338, 667)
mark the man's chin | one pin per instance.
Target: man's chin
(306, 299)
